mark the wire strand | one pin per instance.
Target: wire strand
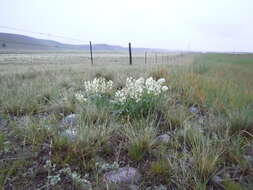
(33, 44)
(42, 33)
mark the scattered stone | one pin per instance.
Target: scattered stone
(249, 159)
(249, 150)
(23, 120)
(217, 179)
(70, 134)
(125, 175)
(133, 187)
(249, 154)
(3, 122)
(124, 187)
(193, 109)
(163, 139)
(160, 187)
(68, 126)
(71, 120)
(100, 160)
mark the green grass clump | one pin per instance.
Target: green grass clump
(241, 121)
(140, 141)
(2, 142)
(206, 157)
(148, 105)
(234, 153)
(160, 168)
(92, 114)
(231, 185)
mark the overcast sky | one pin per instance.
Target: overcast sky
(206, 25)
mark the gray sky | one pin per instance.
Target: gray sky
(206, 25)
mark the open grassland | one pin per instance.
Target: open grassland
(205, 119)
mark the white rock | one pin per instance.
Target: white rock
(163, 139)
(217, 179)
(193, 109)
(126, 175)
(3, 123)
(70, 134)
(133, 187)
(249, 159)
(71, 120)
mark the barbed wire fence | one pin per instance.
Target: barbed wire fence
(149, 56)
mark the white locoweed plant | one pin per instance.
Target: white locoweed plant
(98, 86)
(97, 91)
(138, 97)
(136, 89)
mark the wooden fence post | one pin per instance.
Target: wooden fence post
(130, 54)
(145, 57)
(91, 56)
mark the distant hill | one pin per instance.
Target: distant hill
(21, 42)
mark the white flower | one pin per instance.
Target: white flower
(98, 86)
(164, 88)
(80, 97)
(161, 80)
(135, 89)
(140, 82)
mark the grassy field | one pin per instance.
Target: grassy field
(206, 115)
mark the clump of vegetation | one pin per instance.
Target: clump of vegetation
(140, 141)
(241, 121)
(140, 97)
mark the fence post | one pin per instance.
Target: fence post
(91, 56)
(130, 54)
(145, 57)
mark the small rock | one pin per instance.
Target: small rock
(127, 187)
(163, 139)
(249, 150)
(71, 120)
(126, 175)
(23, 120)
(249, 159)
(70, 134)
(133, 187)
(100, 160)
(3, 122)
(217, 179)
(193, 109)
(160, 187)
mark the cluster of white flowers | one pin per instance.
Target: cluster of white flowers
(80, 97)
(135, 88)
(98, 86)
